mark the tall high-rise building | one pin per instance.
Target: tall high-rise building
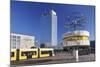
(48, 28)
(54, 28)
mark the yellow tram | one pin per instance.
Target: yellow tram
(46, 52)
(13, 54)
(28, 54)
(25, 54)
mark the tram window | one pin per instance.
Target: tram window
(12, 54)
(28, 53)
(23, 54)
(45, 52)
(34, 53)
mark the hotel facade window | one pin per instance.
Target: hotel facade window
(15, 42)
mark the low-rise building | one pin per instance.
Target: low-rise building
(76, 38)
(20, 41)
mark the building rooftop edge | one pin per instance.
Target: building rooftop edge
(19, 34)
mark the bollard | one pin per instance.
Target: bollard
(75, 55)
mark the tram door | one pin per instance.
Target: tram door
(17, 55)
(29, 55)
(50, 53)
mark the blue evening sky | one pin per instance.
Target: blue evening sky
(26, 17)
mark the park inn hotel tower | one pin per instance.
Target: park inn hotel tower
(49, 28)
